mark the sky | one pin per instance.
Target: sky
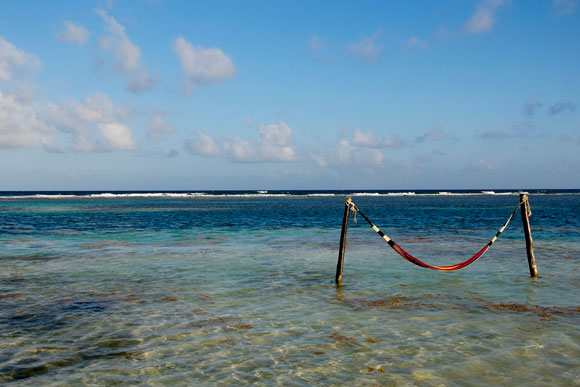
(306, 95)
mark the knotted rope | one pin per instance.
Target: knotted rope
(455, 267)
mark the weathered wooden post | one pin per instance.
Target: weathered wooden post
(525, 210)
(342, 246)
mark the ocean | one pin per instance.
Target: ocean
(237, 287)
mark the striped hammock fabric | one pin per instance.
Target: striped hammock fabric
(417, 262)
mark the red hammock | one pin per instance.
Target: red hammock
(417, 262)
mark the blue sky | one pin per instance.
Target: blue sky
(182, 95)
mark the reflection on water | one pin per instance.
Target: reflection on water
(241, 291)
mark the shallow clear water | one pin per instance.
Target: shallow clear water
(97, 290)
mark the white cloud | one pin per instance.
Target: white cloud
(483, 19)
(95, 124)
(140, 81)
(125, 55)
(343, 150)
(241, 150)
(118, 135)
(204, 145)
(369, 139)
(393, 141)
(24, 92)
(362, 149)
(158, 127)
(13, 59)
(346, 153)
(274, 145)
(73, 33)
(565, 7)
(367, 48)
(276, 142)
(202, 65)
(20, 125)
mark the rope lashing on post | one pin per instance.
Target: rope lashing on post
(417, 262)
(528, 208)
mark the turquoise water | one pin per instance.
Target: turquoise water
(188, 290)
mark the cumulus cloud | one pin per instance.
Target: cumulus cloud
(565, 7)
(433, 134)
(346, 153)
(204, 145)
(125, 55)
(241, 150)
(562, 107)
(140, 81)
(24, 92)
(158, 127)
(20, 124)
(275, 144)
(367, 48)
(202, 66)
(531, 105)
(357, 149)
(96, 124)
(73, 33)
(13, 59)
(370, 140)
(118, 135)
(483, 19)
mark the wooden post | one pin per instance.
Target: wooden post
(342, 246)
(524, 209)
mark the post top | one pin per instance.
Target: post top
(348, 199)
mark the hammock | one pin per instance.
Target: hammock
(417, 262)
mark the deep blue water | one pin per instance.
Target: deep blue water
(238, 287)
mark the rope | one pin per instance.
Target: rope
(527, 202)
(417, 262)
